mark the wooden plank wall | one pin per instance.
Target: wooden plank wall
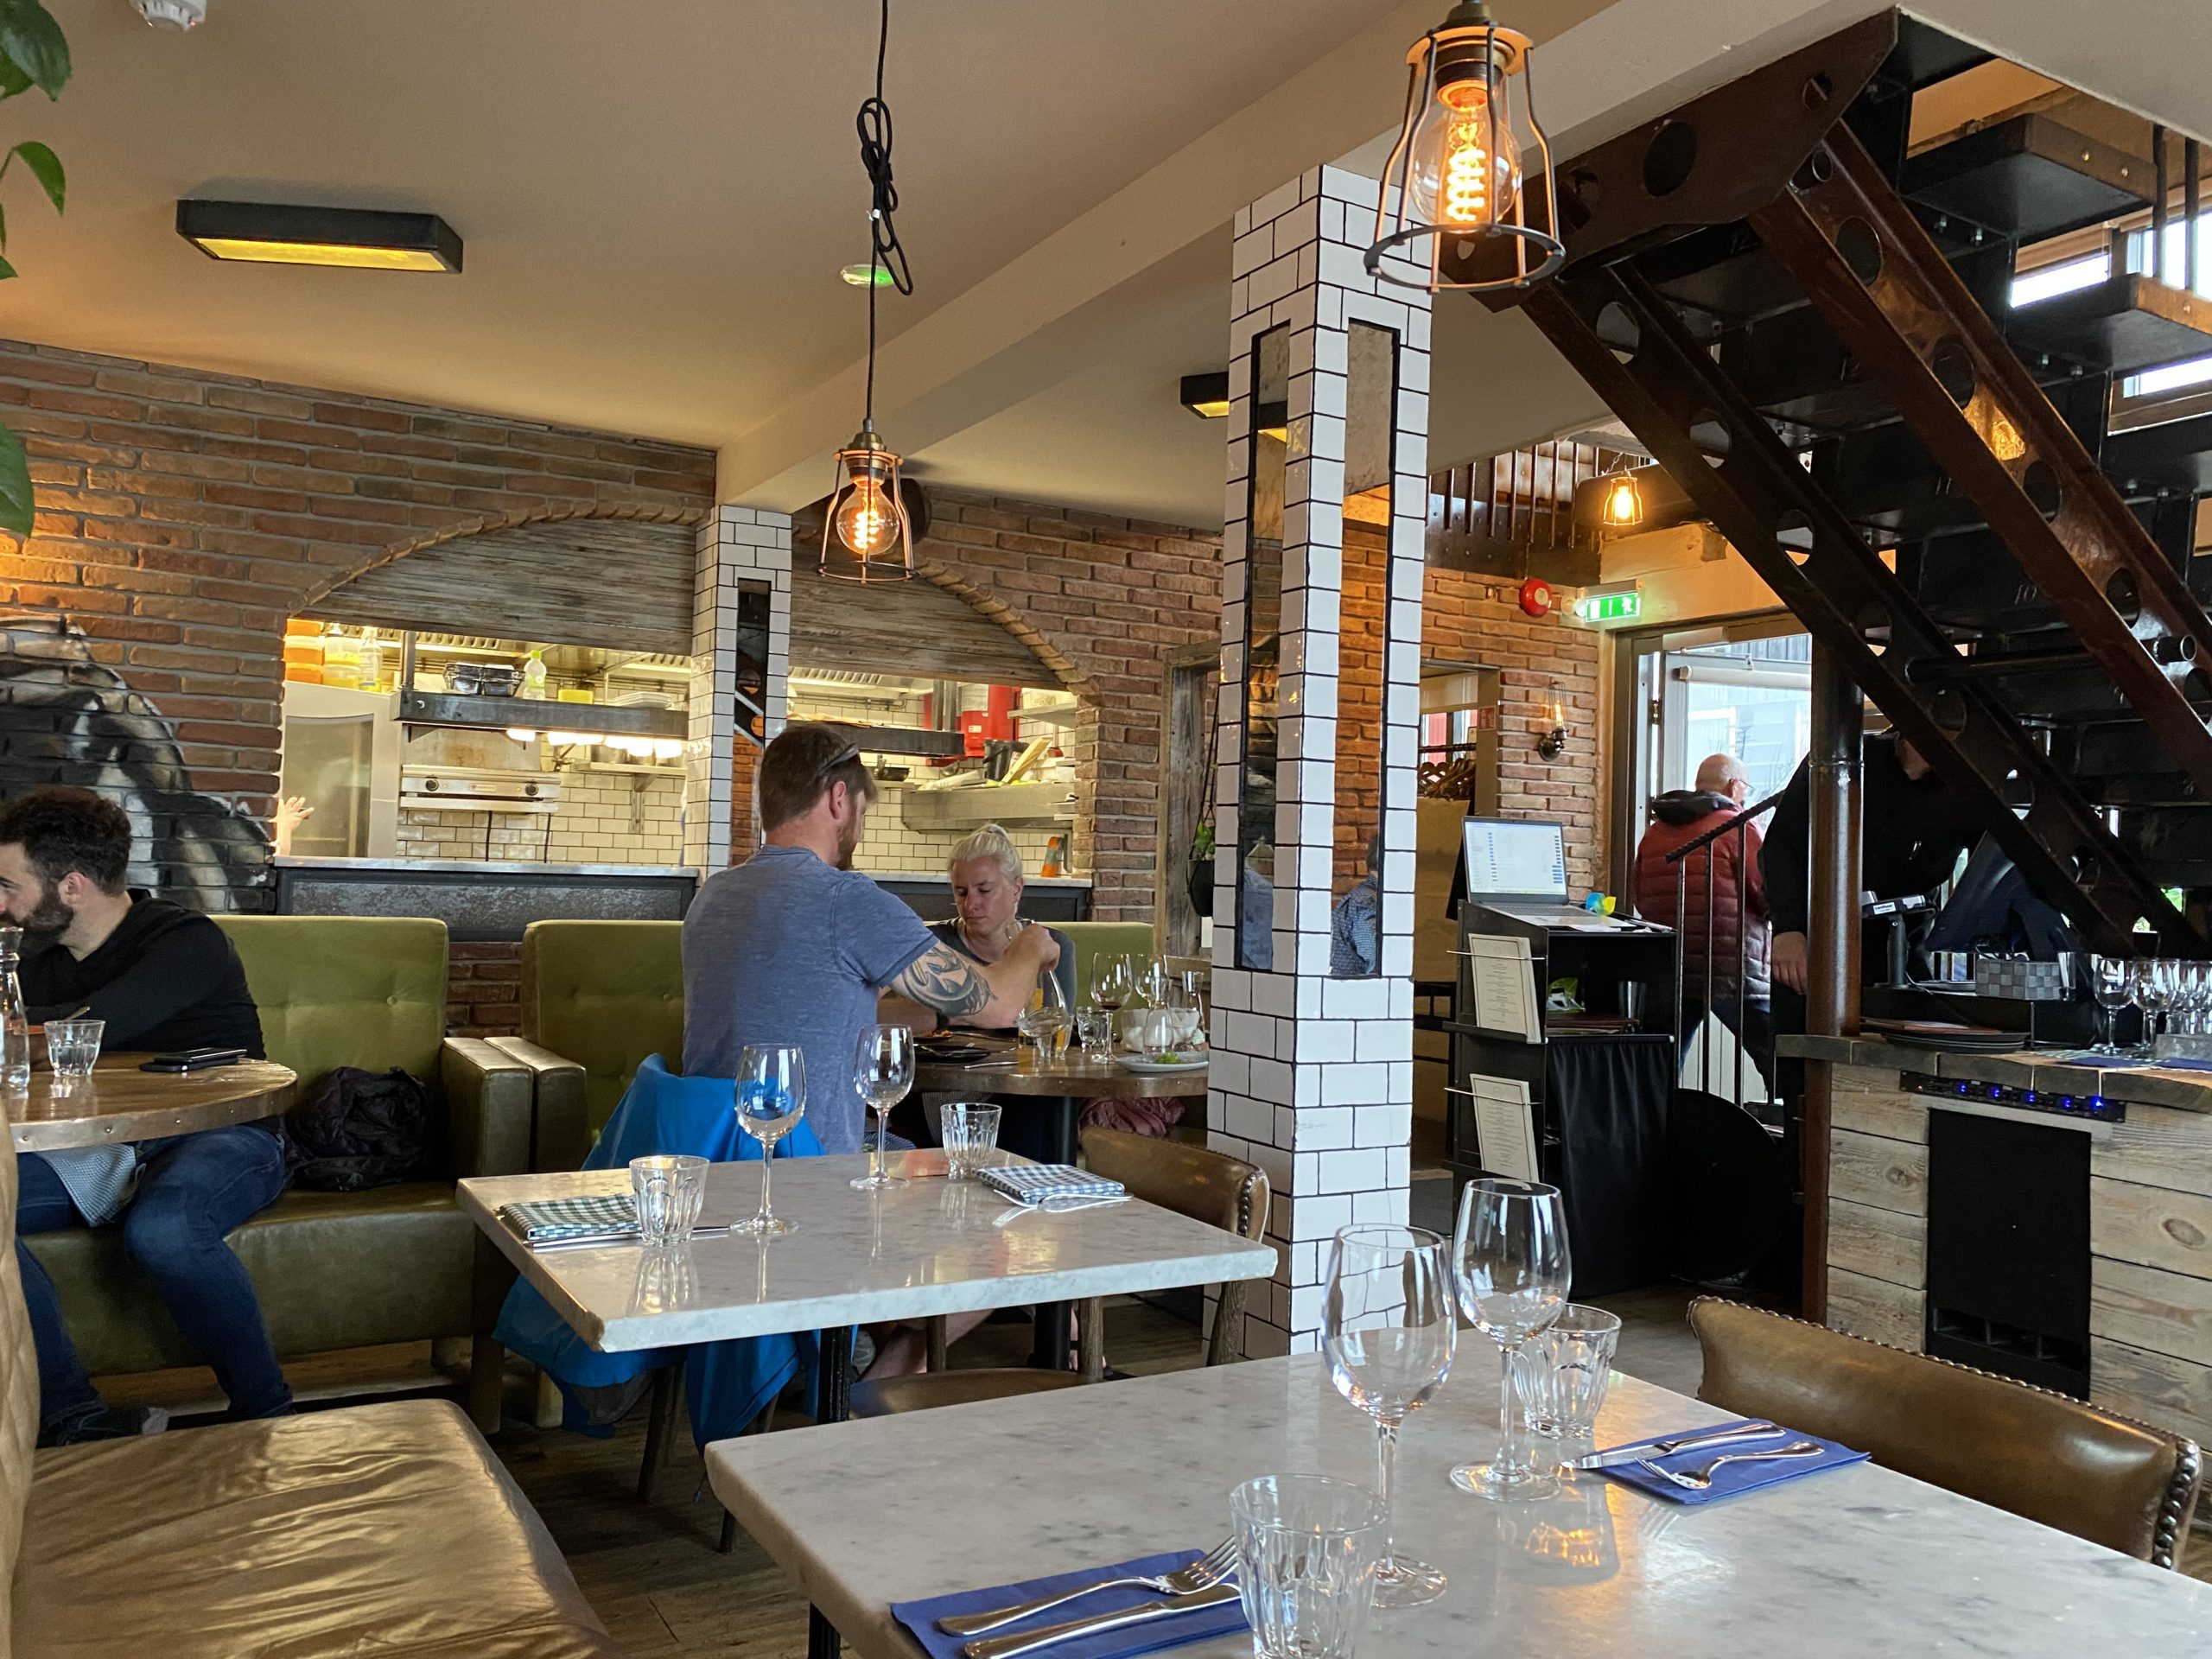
(2150, 1242)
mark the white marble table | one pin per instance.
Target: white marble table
(1846, 1563)
(930, 1248)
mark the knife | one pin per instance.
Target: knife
(1642, 1449)
(1006, 1647)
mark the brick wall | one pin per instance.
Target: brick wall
(1473, 618)
(184, 515)
(1103, 600)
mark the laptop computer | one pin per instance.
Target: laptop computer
(1519, 867)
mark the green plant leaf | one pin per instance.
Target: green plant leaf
(15, 485)
(33, 40)
(12, 78)
(45, 167)
(6, 270)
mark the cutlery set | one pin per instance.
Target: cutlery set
(1204, 1583)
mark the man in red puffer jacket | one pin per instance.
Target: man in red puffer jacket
(1681, 816)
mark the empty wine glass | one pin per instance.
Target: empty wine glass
(771, 1101)
(1111, 982)
(1509, 1258)
(2154, 994)
(1153, 983)
(1389, 1332)
(883, 1070)
(2111, 985)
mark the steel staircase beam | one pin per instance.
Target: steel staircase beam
(1676, 398)
(1876, 275)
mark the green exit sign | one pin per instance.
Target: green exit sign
(1610, 607)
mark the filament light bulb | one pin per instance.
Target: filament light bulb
(867, 522)
(1622, 504)
(1466, 162)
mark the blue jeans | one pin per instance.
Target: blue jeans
(192, 1189)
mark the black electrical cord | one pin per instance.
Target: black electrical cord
(884, 252)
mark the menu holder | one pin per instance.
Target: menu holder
(1503, 975)
(1505, 1127)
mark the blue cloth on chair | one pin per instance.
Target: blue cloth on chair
(726, 1384)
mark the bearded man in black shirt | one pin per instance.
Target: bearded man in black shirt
(162, 977)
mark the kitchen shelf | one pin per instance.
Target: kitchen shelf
(982, 803)
(468, 713)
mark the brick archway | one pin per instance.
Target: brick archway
(517, 519)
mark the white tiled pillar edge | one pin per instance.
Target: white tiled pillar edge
(738, 545)
(1312, 1076)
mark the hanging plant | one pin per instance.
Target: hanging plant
(33, 53)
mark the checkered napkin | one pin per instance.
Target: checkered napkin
(1035, 1183)
(563, 1221)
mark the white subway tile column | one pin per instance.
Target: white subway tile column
(745, 554)
(1312, 1076)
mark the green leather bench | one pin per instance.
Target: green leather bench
(340, 1270)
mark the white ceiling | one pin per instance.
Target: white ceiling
(656, 196)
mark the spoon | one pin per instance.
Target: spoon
(1699, 1480)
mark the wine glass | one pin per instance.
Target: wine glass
(2154, 994)
(1389, 1333)
(1153, 983)
(2112, 984)
(1510, 1254)
(771, 1099)
(1111, 982)
(883, 1070)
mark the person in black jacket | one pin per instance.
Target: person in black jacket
(162, 977)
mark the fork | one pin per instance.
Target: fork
(1699, 1480)
(1216, 1564)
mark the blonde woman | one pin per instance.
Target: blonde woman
(987, 885)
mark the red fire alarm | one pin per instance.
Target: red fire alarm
(1537, 596)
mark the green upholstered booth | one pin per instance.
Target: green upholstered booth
(597, 998)
(339, 1270)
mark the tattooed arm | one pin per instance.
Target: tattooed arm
(973, 993)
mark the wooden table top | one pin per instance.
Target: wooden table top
(1074, 1077)
(121, 1103)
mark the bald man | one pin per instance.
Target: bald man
(1680, 816)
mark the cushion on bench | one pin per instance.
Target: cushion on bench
(386, 1529)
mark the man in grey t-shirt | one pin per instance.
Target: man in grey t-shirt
(794, 946)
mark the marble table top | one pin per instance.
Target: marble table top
(933, 1246)
(1848, 1562)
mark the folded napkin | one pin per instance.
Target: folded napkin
(1731, 1477)
(611, 1217)
(1200, 1624)
(1036, 1183)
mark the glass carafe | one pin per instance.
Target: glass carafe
(14, 1022)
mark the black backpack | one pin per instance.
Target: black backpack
(357, 1129)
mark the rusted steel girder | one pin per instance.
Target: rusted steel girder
(1876, 275)
(1679, 403)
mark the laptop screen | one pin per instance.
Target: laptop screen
(1515, 858)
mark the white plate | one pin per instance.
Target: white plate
(1138, 1064)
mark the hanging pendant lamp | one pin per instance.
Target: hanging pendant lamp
(867, 533)
(1456, 199)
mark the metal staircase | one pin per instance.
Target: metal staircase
(1813, 329)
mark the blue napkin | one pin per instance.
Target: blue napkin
(1731, 1477)
(1199, 1625)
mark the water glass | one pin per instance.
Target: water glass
(668, 1192)
(1566, 1370)
(1389, 1332)
(1094, 1027)
(970, 1134)
(1307, 1548)
(72, 1047)
(1509, 1258)
(771, 1101)
(883, 1070)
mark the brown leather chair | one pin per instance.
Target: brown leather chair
(1206, 1185)
(2042, 1455)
